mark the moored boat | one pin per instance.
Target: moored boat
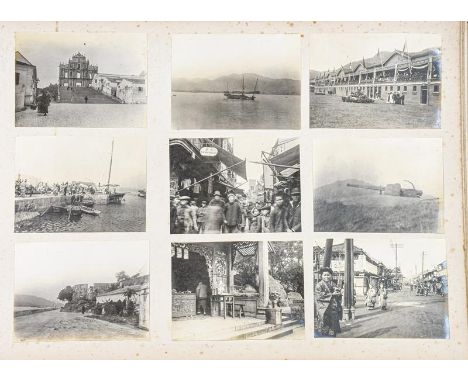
(142, 193)
(90, 211)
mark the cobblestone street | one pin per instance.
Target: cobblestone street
(408, 316)
(85, 115)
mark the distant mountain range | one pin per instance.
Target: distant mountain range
(33, 301)
(233, 82)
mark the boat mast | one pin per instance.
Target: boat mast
(242, 85)
(110, 165)
(255, 87)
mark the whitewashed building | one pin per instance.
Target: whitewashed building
(25, 82)
(128, 89)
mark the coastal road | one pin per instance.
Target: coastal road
(408, 316)
(56, 325)
(85, 115)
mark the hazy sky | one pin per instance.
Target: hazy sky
(380, 162)
(328, 51)
(409, 256)
(43, 269)
(58, 159)
(117, 53)
(211, 56)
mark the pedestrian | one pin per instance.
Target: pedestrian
(279, 216)
(194, 209)
(328, 309)
(201, 294)
(255, 225)
(214, 214)
(371, 298)
(173, 214)
(383, 295)
(295, 212)
(201, 212)
(86, 99)
(185, 219)
(43, 103)
(83, 309)
(232, 214)
(265, 219)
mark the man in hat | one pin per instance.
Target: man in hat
(232, 214)
(295, 211)
(279, 216)
(173, 213)
(328, 309)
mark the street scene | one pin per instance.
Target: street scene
(378, 185)
(375, 81)
(81, 291)
(237, 291)
(234, 185)
(378, 288)
(228, 81)
(99, 190)
(80, 80)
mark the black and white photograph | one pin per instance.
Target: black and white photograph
(375, 80)
(81, 291)
(80, 80)
(237, 291)
(378, 185)
(236, 81)
(381, 288)
(234, 185)
(65, 186)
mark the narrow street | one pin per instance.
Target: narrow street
(407, 316)
(56, 325)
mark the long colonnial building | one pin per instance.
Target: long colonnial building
(417, 75)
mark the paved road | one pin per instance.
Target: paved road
(85, 115)
(408, 316)
(56, 325)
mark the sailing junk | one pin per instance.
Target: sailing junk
(112, 197)
(241, 95)
(392, 189)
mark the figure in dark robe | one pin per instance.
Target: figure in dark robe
(43, 103)
(328, 309)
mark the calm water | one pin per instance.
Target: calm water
(214, 111)
(130, 216)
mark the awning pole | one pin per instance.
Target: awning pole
(274, 165)
(208, 177)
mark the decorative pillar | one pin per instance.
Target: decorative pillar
(230, 275)
(263, 282)
(328, 253)
(348, 295)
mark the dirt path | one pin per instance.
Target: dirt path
(56, 325)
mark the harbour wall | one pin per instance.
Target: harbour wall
(40, 203)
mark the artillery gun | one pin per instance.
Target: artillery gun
(394, 189)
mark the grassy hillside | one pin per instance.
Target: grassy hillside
(33, 301)
(338, 208)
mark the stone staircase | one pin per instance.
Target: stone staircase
(78, 94)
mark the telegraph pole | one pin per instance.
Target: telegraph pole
(396, 246)
(422, 265)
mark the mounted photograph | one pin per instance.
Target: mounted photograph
(381, 288)
(234, 185)
(100, 188)
(236, 81)
(378, 185)
(80, 80)
(237, 291)
(375, 81)
(82, 291)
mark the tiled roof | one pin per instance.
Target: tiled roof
(21, 59)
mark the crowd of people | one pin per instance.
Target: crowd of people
(237, 214)
(429, 287)
(25, 188)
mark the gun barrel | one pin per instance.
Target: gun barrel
(376, 188)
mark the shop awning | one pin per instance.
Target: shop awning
(288, 158)
(230, 160)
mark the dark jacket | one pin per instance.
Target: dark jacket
(233, 214)
(295, 217)
(279, 219)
